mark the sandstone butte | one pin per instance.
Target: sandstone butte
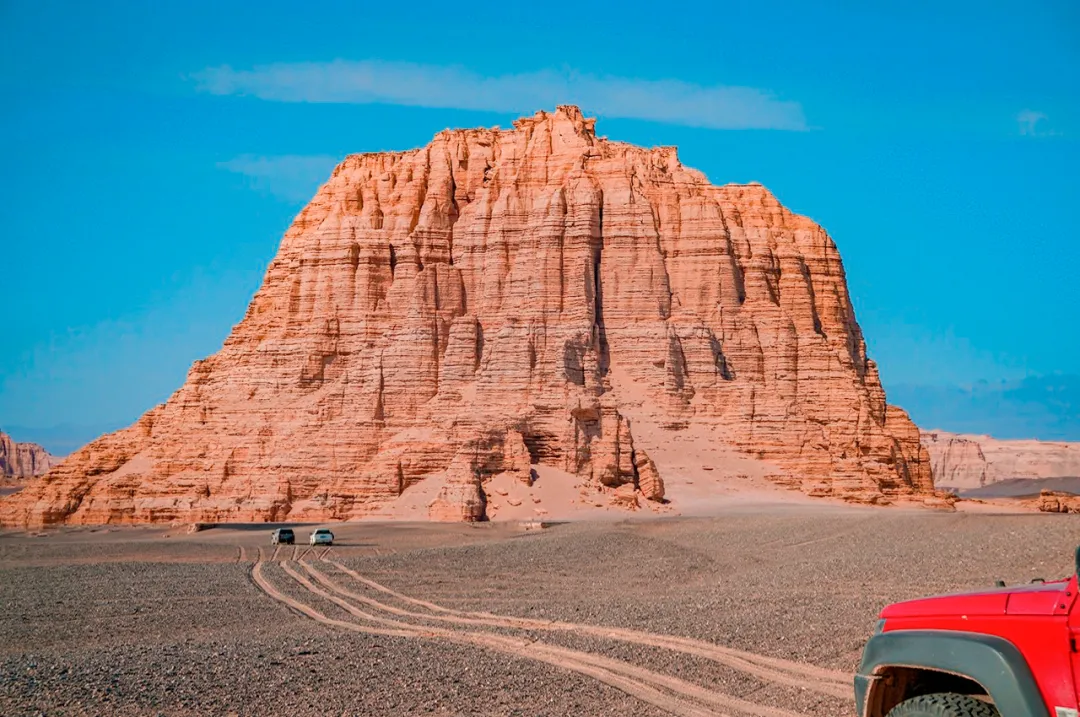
(489, 303)
(964, 462)
(23, 460)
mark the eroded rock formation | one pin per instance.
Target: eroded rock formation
(23, 460)
(1056, 502)
(965, 462)
(432, 314)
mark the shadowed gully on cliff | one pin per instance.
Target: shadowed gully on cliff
(502, 301)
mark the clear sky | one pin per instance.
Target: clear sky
(154, 152)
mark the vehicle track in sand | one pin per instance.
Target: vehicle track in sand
(671, 683)
(648, 694)
(769, 669)
(671, 694)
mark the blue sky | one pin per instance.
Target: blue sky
(155, 153)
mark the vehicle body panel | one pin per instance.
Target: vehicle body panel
(990, 661)
(282, 536)
(1039, 622)
(322, 536)
(1074, 641)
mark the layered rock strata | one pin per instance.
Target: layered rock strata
(23, 460)
(966, 462)
(457, 311)
(1056, 502)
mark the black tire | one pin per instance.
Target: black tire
(944, 704)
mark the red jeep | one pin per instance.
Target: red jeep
(1008, 652)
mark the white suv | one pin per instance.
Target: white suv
(322, 536)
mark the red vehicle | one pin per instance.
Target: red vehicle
(1004, 652)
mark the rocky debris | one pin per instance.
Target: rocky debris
(941, 501)
(479, 293)
(23, 460)
(650, 483)
(964, 462)
(869, 498)
(626, 496)
(1054, 502)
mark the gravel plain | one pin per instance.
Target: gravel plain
(156, 621)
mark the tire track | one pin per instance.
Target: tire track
(274, 556)
(768, 669)
(266, 587)
(669, 693)
(643, 692)
(295, 551)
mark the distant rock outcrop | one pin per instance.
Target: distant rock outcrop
(23, 460)
(1055, 502)
(483, 304)
(968, 462)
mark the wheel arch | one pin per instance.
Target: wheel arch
(905, 663)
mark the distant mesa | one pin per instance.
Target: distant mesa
(501, 306)
(23, 460)
(981, 466)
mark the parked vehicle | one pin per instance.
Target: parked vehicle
(1003, 652)
(322, 536)
(282, 536)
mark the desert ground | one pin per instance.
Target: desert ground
(756, 610)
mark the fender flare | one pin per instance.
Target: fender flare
(993, 662)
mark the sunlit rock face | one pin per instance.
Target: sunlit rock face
(23, 460)
(967, 461)
(487, 303)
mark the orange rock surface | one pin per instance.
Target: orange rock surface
(1055, 502)
(23, 460)
(964, 462)
(432, 314)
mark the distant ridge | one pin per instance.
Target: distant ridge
(23, 460)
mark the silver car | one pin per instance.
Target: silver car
(322, 536)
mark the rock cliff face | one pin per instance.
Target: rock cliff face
(965, 462)
(23, 460)
(462, 310)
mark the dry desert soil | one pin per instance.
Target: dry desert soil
(757, 611)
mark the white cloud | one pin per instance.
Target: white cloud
(400, 83)
(291, 177)
(1033, 124)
